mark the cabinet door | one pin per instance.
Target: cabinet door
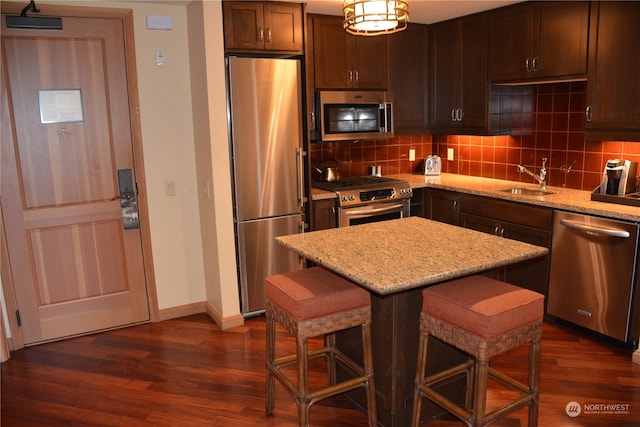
(283, 27)
(458, 69)
(510, 42)
(345, 61)
(368, 61)
(243, 25)
(531, 274)
(445, 72)
(537, 40)
(562, 32)
(323, 214)
(330, 62)
(480, 223)
(474, 73)
(613, 86)
(407, 71)
(442, 206)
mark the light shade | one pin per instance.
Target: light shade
(374, 17)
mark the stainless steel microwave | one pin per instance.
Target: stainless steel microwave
(353, 115)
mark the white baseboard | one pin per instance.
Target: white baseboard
(226, 322)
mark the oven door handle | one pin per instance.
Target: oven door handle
(391, 208)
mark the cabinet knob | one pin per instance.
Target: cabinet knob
(589, 113)
(260, 34)
(268, 35)
(527, 64)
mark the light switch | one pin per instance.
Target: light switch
(412, 154)
(170, 188)
(450, 154)
(161, 59)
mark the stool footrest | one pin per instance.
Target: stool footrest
(443, 375)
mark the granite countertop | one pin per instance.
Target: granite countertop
(391, 256)
(568, 199)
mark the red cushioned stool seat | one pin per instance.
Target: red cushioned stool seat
(482, 317)
(309, 303)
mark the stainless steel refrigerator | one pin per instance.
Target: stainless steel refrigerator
(265, 106)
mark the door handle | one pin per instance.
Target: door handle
(127, 197)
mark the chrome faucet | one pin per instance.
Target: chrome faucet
(541, 178)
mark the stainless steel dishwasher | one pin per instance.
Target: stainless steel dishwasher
(593, 273)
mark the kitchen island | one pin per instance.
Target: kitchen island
(394, 260)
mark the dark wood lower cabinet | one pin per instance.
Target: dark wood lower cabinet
(323, 214)
(511, 220)
(517, 221)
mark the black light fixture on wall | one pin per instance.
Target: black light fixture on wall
(33, 22)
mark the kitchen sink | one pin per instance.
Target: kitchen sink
(527, 191)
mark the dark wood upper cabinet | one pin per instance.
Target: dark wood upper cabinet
(539, 40)
(407, 70)
(262, 26)
(345, 61)
(458, 87)
(613, 86)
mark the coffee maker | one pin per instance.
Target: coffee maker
(619, 177)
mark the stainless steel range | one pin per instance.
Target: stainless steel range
(364, 199)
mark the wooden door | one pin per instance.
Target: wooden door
(66, 134)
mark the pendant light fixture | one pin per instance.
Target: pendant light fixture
(374, 17)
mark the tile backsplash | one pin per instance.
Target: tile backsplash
(546, 120)
(392, 155)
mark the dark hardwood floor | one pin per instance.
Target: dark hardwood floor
(187, 372)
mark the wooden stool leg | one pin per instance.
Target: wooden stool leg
(330, 343)
(481, 369)
(368, 371)
(471, 377)
(270, 357)
(303, 385)
(534, 381)
(423, 342)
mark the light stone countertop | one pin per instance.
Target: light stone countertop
(568, 199)
(391, 256)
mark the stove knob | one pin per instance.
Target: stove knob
(352, 198)
(343, 198)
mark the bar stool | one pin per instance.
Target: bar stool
(482, 317)
(309, 303)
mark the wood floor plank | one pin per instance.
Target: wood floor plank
(187, 372)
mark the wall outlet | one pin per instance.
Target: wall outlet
(450, 154)
(412, 154)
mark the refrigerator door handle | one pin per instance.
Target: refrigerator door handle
(300, 153)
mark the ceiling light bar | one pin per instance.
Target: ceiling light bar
(375, 17)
